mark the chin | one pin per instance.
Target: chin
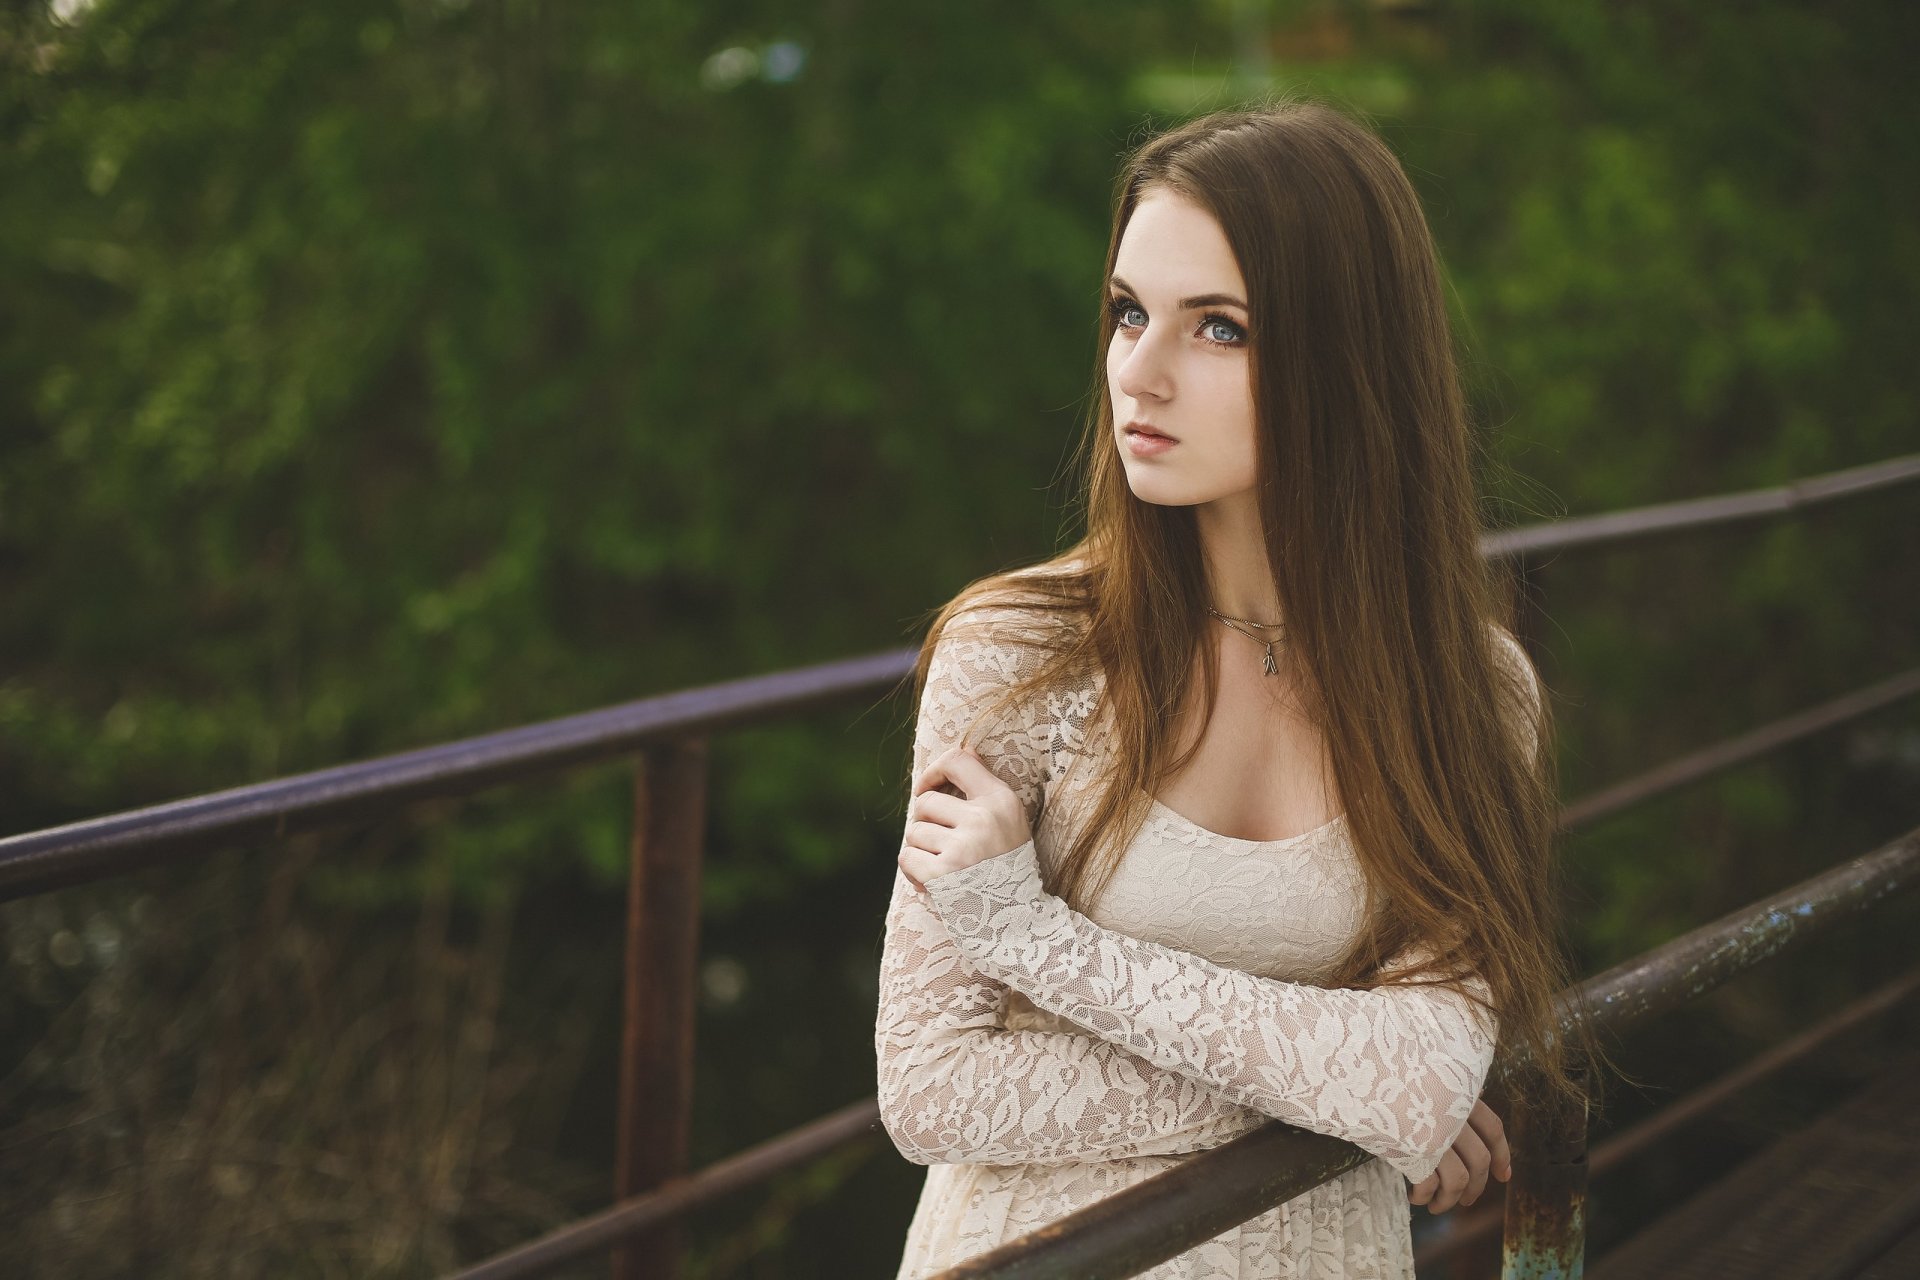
(1157, 491)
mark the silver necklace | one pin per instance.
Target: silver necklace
(1270, 668)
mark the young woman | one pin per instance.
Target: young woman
(1238, 809)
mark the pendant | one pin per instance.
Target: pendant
(1270, 668)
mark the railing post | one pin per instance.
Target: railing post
(1545, 1232)
(663, 942)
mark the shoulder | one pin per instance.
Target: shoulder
(1521, 683)
(984, 634)
(1007, 652)
(1514, 664)
(1037, 608)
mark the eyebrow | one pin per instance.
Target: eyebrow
(1189, 304)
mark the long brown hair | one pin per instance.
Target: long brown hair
(1365, 467)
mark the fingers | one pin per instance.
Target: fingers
(918, 885)
(1461, 1176)
(958, 810)
(1473, 1153)
(931, 819)
(1452, 1176)
(1483, 1121)
(936, 806)
(962, 768)
(932, 828)
(935, 773)
(919, 865)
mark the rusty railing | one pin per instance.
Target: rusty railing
(1214, 1190)
(668, 735)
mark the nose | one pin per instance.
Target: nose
(1142, 370)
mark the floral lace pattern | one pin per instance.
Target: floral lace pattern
(1392, 1070)
(1038, 1059)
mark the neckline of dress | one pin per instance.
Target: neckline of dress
(1325, 828)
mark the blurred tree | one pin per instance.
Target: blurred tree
(406, 370)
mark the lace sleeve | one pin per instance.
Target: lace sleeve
(955, 1085)
(1394, 1070)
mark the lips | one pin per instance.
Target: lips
(1141, 428)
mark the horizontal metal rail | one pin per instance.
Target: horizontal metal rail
(122, 842)
(638, 1213)
(113, 844)
(1678, 972)
(1729, 752)
(1579, 533)
(1618, 1148)
(681, 1195)
(1132, 1230)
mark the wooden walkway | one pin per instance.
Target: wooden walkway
(1836, 1200)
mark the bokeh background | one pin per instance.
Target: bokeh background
(380, 372)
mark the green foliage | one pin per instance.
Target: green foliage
(409, 370)
(405, 371)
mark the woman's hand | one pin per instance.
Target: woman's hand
(1462, 1173)
(960, 813)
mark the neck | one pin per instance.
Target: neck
(1239, 580)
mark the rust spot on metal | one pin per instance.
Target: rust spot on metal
(1545, 1215)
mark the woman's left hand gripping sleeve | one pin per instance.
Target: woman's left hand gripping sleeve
(1394, 1070)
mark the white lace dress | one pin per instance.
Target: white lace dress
(1038, 1059)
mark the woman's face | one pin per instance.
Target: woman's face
(1177, 360)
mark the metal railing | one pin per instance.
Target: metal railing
(1280, 1155)
(1479, 1224)
(668, 735)
(1214, 1190)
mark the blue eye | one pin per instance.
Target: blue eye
(1117, 309)
(1239, 334)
